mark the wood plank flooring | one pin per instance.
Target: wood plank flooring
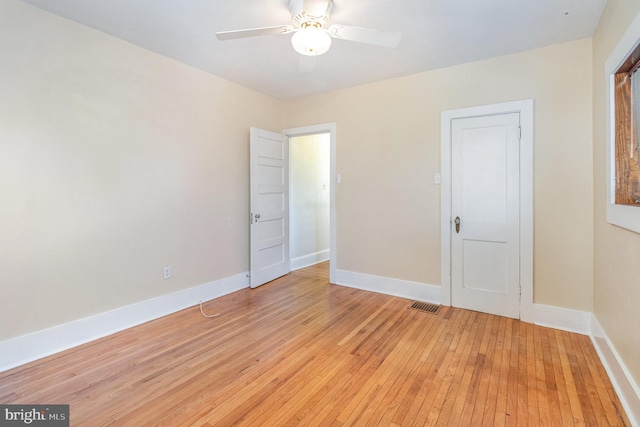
(299, 351)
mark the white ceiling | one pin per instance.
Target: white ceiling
(436, 34)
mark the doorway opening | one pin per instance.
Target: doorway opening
(312, 201)
(309, 199)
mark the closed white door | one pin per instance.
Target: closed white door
(269, 204)
(485, 212)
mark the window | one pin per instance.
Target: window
(623, 124)
(627, 110)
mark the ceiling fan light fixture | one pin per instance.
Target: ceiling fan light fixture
(311, 40)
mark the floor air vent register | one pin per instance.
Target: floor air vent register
(425, 307)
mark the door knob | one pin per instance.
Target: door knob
(257, 216)
(457, 222)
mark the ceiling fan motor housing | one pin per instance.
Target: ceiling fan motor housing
(310, 12)
(310, 33)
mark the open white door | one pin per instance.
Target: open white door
(269, 205)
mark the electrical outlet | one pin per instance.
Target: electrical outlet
(166, 273)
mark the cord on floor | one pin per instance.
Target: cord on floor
(205, 315)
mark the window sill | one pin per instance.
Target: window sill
(624, 216)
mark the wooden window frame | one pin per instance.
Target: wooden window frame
(623, 157)
(627, 167)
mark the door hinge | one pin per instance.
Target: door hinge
(251, 217)
(519, 133)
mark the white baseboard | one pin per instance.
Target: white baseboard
(27, 348)
(564, 319)
(310, 259)
(384, 285)
(626, 388)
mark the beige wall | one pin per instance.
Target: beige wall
(114, 162)
(388, 149)
(617, 251)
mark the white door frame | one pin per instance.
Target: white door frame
(329, 128)
(525, 108)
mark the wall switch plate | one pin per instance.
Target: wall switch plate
(436, 178)
(166, 273)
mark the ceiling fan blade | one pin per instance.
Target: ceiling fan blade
(253, 32)
(307, 64)
(365, 35)
(295, 7)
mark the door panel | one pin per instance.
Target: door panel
(485, 266)
(485, 258)
(269, 153)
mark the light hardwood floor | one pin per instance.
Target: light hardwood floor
(299, 351)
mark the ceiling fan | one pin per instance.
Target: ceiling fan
(311, 36)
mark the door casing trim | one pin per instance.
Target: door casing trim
(525, 109)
